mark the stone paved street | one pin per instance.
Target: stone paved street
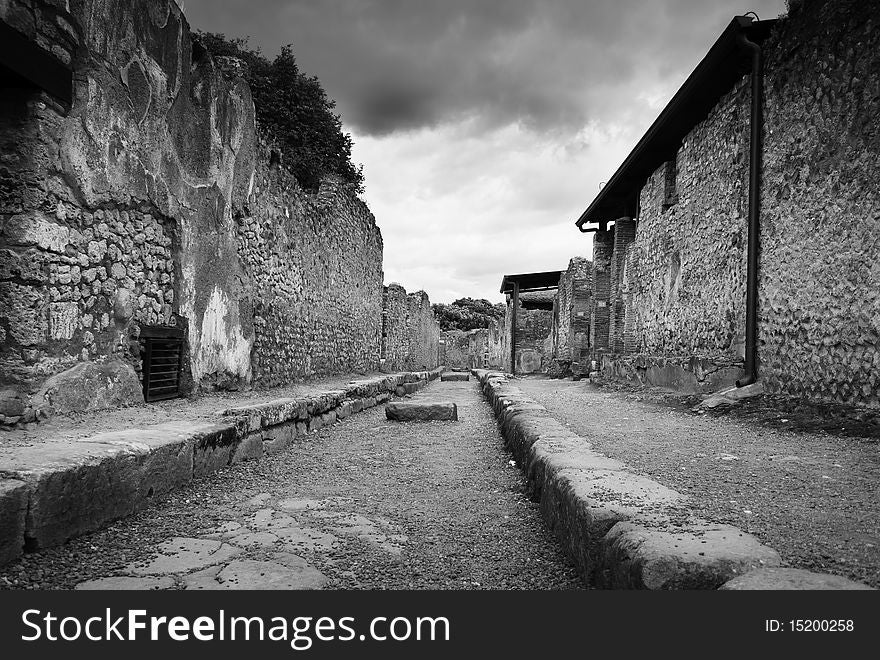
(367, 504)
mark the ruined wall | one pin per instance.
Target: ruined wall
(314, 264)
(105, 199)
(150, 202)
(569, 339)
(411, 333)
(532, 330)
(473, 349)
(682, 284)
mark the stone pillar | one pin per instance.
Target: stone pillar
(603, 249)
(624, 235)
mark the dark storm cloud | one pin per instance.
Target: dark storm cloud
(549, 64)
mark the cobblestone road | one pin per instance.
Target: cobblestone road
(366, 504)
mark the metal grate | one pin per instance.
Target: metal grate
(162, 360)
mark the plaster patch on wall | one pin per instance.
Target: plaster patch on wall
(221, 346)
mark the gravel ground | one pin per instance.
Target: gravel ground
(811, 496)
(202, 407)
(433, 505)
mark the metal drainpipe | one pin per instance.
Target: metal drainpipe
(751, 357)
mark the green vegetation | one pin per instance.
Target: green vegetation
(295, 110)
(467, 314)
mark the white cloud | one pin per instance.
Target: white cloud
(460, 208)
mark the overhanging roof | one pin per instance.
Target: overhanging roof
(715, 75)
(531, 281)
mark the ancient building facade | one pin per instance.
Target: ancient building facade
(534, 319)
(410, 331)
(481, 348)
(141, 207)
(670, 278)
(568, 345)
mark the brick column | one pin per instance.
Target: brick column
(603, 249)
(624, 235)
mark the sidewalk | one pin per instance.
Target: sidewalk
(658, 498)
(72, 476)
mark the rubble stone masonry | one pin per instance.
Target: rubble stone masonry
(153, 202)
(411, 333)
(570, 331)
(684, 276)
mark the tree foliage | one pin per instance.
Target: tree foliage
(296, 111)
(467, 314)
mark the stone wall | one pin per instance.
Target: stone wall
(150, 203)
(681, 280)
(105, 200)
(473, 349)
(680, 293)
(532, 330)
(314, 269)
(410, 331)
(819, 316)
(569, 340)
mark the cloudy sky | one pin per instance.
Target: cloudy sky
(485, 126)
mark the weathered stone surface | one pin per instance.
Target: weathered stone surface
(13, 507)
(126, 583)
(249, 448)
(412, 411)
(78, 486)
(279, 437)
(213, 448)
(454, 376)
(620, 528)
(704, 557)
(182, 554)
(411, 331)
(282, 571)
(90, 386)
(731, 396)
(791, 579)
(11, 403)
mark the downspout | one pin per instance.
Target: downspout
(751, 356)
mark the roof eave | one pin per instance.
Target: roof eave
(690, 105)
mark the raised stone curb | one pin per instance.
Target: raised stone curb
(421, 412)
(787, 579)
(623, 530)
(13, 508)
(55, 491)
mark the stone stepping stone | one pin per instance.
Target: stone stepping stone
(413, 411)
(454, 376)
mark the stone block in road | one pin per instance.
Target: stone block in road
(413, 411)
(454, 376)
